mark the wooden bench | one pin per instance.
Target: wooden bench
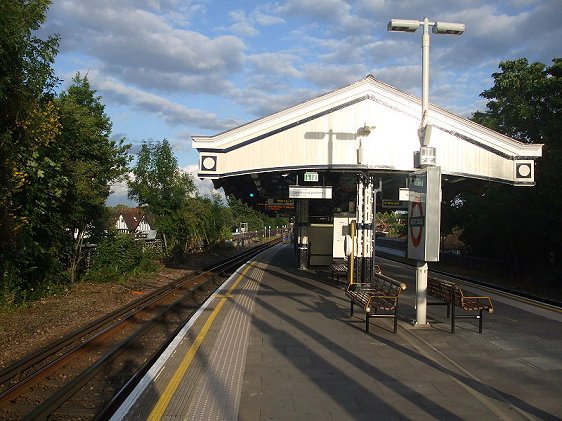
(453, 297)
(339, 268)
(379, 295)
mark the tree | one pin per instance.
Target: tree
(218, 221)
(242, 213)
(157, 180)
(29, 182)
(26, 83)
(158, 183)
(525, 103)
(90, 160)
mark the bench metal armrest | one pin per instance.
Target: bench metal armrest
(391, 281)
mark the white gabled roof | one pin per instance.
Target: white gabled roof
(322, 132)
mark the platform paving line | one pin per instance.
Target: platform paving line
(168, 393)
(218, 395)
(157, 368)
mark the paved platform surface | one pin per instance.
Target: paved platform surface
(281, 345)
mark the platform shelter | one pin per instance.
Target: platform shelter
(344, 155)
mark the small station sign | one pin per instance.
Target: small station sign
(313, 192)
(311, 177)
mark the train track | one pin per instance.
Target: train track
(545, 303)
(88, 373)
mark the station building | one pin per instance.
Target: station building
(344, 155)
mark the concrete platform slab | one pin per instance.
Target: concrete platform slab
(302, 357)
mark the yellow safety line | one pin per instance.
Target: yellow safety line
(171, 388)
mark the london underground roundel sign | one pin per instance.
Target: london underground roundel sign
(416, 223)
(424, 214)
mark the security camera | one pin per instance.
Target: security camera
(448, 28)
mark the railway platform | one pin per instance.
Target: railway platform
(278, 343)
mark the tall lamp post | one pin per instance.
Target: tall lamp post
(404, 25)
(426, 153)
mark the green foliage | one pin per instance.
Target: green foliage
(206, 221)
(26, 119)
(186, 221)
(158, 181)
(90, 160)
(30, 181)
(119, 257)
(56, 159)
(257, 221)
(395, 225)
(519, 224)
(22, 272)
(242, 213)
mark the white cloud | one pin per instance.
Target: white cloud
(264, 19)
(242, 24)
(204, 186)
(335, 75)
(118, 195)
(143, 43)
(172, 113)
(276, 63)
(214, 65)
(330, 16)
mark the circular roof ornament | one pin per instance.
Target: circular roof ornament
(209, 163)
(523, 170)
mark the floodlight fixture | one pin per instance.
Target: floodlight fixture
(403, 25)
(448, 28)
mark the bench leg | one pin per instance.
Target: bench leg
(351, 308)
(449, 310)
(367, 316)
(452, 318)
(395, 319)
(480, 322)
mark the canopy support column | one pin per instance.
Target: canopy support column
(302, 233)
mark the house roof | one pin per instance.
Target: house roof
(133, 217)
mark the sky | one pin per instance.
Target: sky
(170, 69)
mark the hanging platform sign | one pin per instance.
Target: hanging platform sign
(316, 192)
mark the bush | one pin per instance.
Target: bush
(33, 277)
(117, 258)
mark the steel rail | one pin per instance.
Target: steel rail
(18, 368)
(100, 327)
(545, 303)
(75, 385)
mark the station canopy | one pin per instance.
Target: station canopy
(366, 127)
